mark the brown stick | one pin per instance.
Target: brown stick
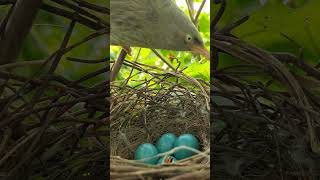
(117, 65)
(17, 28)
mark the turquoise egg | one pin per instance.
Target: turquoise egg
(166, 142)
(186, 140)
(167, 160)
(146, 150)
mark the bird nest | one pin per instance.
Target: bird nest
(265, 116)
(143, 115)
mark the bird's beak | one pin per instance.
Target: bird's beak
(201, 50)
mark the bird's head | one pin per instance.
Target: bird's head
(194, 43)
(186, 36)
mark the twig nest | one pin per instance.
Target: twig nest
(140, 117)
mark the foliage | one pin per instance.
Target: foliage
(274, 26)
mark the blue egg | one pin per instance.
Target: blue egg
(147, 150)
(186, 140)
(167, 160)
(166, 142)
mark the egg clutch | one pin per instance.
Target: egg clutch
(147, 152)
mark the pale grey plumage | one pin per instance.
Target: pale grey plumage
(157, 24)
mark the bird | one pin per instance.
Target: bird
(154, 24)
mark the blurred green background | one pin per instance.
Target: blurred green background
(46, 36)
(275, 25)
(271, 20)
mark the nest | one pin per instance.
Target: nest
(261, 130)
(265, 109)
(53, 122)
(143, 115)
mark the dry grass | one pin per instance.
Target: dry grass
(143, 114)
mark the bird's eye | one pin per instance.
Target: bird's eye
(188, 38)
